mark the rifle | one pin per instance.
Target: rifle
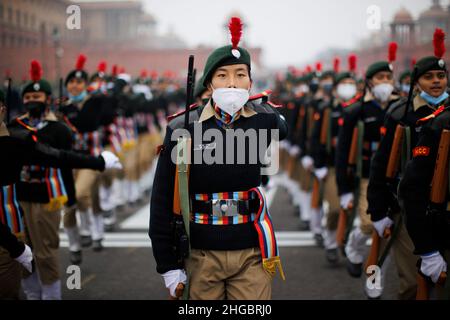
(343, 213)
(438, 195)
(181, 201)
(394, 157)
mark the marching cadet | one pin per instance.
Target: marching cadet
(323, 148)
(427, 217)
(381, 193)
(25, 149)
(367, 116)
(227, 259)
(82, 113)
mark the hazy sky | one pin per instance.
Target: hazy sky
(289, 31)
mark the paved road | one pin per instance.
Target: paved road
(126, 268)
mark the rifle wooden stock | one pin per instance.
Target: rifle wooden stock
(324, 128)
(353, 148)
(440, 177)
(422, 288)
(341, 227)
(290, 165)
(315, 196)
(372, 259)
(423, 285)
(394, 157)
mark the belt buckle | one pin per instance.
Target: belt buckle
(227, 207)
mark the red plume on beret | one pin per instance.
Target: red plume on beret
(308, 69)
(336, 63)
(154, 74)
(319, 66)
(392, 52)
(101, 66)
(413, 62)
(80, 62)
(235, 27)
(122, 70)
(352, 63)
(143, 73)
(35, 71)
(114, 70)
(438, 43)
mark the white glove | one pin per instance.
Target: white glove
(172, 278)
(433, 265)
(307, 162)
(346, 199)
(294, 151)
(382, 225)
(111, 160)
(321, 173)
(26, 258)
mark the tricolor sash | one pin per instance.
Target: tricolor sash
(266, 234)
(10, 211)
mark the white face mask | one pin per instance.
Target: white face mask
(382, 91)
(346, 91)
(230, 100)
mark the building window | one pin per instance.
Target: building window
(10, 15)
(18, 16)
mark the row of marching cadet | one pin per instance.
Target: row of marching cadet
(358, 164)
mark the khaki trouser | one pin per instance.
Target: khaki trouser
(332, 197)
(41, 230)
(402, 248)
(231, 275)
(10, 276)
(405, 260)
(366, 224)
(306, 179)
(86, 188)
(131, 163)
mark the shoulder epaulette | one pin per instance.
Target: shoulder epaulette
(431, 116)
(191, 107)
(351, 101)
(263, 94)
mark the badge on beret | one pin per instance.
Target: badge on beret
(36, 86)
(441, 63)
(78, 74)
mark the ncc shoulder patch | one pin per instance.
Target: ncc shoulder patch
(421, 151)
(383, 131)
(316, 116)
(340, 122)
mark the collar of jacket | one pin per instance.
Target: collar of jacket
(208, 112)
(420, 102)
(369, 97)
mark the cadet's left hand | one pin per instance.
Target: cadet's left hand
(321, 173)
(172, 279)
(26, 258)
(382, 225)
(433, 265)
(111, 160)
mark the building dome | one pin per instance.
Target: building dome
(436, 11)
(403, 16)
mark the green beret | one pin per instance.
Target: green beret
(344, 75)
(427, 64)
(328, 73)
(404, 74)
(38, 86)
(223, 57)
(376, 67)
(80, 74)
